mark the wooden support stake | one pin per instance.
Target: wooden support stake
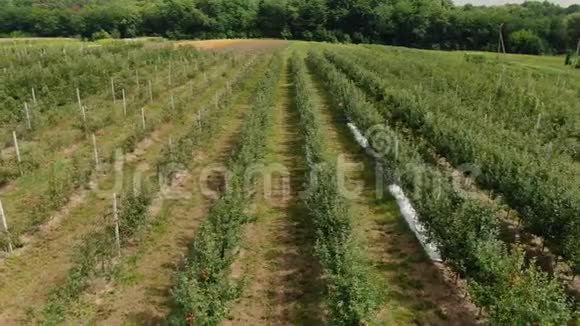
(199, 120)
(84, 114)
(34, 96)
(5, 226)
(95, 152)
(79, 99)
(150, 91)
(116, 219)
(143, 117)
(15, 139)
(27, 111)
(113, 91)
(124, 103)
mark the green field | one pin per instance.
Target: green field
(152, 182)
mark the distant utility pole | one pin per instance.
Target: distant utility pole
(500, 43)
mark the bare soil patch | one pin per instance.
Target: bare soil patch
(236, 44)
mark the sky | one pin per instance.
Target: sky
(563, 3)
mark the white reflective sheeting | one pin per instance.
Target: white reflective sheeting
(360, 139)
(405, 206)
(412, 220)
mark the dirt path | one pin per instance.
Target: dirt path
(284, 281)
(415, 289)
(236, 44)
(26, 279)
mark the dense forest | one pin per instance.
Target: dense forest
(534, 27)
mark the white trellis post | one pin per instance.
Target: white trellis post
(539, 121)
(27, 111)
(170, 81)
(150, 91)
(84, 113)
(113, 90)
(79, 99)
(143, 118)
(33, 96)
(124, 103)
(199, 119)
(172, 102)
(95, 152)
(137, 81)
(5, 226)
(16, 148)
(116, 219)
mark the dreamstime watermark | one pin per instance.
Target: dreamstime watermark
(380, 143)
(278, 182)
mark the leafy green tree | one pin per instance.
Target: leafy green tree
(176, 19)
(307, 17)
(573, 28)
(100, 35)
(526, 41)
(536, 27)
(272, 18)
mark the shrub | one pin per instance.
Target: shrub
(474, 58)
(100, 35)
(568, 60)
(526, 41)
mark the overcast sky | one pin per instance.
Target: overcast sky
(564, 3)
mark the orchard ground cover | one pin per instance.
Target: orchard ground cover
(243, 196)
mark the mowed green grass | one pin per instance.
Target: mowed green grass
(547, 64)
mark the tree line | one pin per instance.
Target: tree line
(533, 27)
